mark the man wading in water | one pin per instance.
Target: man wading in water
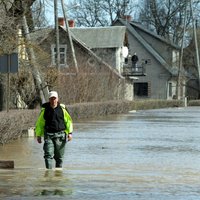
(55, 125)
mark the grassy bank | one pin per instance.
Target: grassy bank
(14, 123)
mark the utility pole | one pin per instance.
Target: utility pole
(178, 84)
(57, 57)
(43, 89)
(195, 41)
(70, 38)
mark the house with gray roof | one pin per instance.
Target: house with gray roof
(89, 59)
(45, 38)
(158, 63)
(106, 42)
(110, 44)
(103, 44)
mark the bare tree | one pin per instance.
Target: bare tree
(8, 32)
(166, 17)
(14, 13)
(38, 14)
(95, 13)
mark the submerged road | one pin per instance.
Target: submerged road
(148, 155)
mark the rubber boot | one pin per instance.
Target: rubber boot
(48, 163)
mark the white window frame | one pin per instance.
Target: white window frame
(175, 57)
(64, 53)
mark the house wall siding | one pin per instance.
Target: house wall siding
(163, 48)
(107, 54)
(156, 75)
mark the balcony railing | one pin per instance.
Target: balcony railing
(139, 70)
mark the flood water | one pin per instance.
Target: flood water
(143, 155)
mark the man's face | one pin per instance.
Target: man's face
(53, 102)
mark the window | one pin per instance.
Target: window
(141, 89)
(63, 55)
(170, 89)
(175, 58)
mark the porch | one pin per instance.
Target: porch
(138, 70)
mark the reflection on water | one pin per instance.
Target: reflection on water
(36, 183)
(48, 183)
(152, 154)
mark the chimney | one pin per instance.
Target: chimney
(61, 21)
(71, 23)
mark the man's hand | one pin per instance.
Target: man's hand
(69, 137)
(39, 139)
